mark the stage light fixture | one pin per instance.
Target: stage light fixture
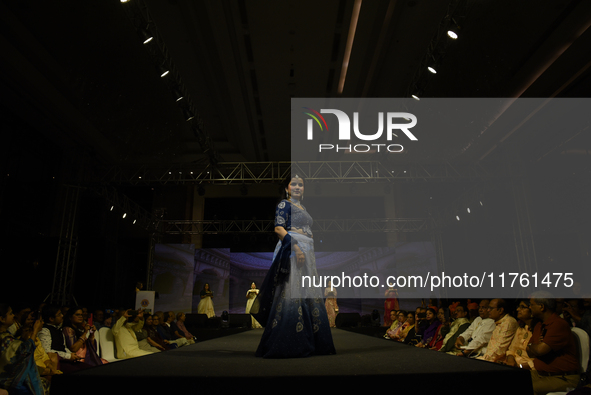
(468, 210)
(179, 96)
(112, 207)
(188, 115)
(134, 221)
(481, 203)
(431, 69)
(415, 97)
(147, 36)
(124, 215)
(457, 217)
(124, 1)
(453, 35)
(163, 71)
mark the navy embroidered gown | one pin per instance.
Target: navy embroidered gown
(297, 324)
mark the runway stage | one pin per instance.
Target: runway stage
(227, 364)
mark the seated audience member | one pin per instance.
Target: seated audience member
(458, 326)
(395, 324)
(80, 337)
(153, 334)
(432, 325)
(553, 348)
(473, 341)
(473, 311)
(516, 354)
(47, 364)
(421, 323)
(575, 312)
(143, 339)
(165, 331)
(180, 323)
(505, 327)
(98, 319)
(442, 329)
(176, 332)
(53, 340)
(124, 332)
(19, 313)
(18, 371)
(406, 334)
(401, 317)
(108, 321)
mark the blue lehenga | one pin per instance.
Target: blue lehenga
(294, 317)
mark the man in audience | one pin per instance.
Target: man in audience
(53, 341)
(167, 330)
(458, 326)
(124, 332)
(505, 328)
(474, 339)
(553, 348)
(98, 319)
(421, 322)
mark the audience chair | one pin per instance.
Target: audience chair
(582, 341)
(107, 345)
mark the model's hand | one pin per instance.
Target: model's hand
(300, 257)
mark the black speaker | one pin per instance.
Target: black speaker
(240, 320)
(195, 321)
(347, 320)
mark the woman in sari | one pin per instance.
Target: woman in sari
(18, 371)
(398, 319)
(251, 295)
(294, 315)
(442, 329)
(407, 331)
(47, 364)
(332, 308)
(432, 325)
(80, 337)
(206, 304)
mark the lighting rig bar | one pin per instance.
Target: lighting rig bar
(455, 14)
(133, 211)
(142, 21)
(226, 173)
(382, 225)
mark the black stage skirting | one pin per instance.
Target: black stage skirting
(228, 364)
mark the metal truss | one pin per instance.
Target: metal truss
(226, 173)
(63, 276)
(142, 217)
(386, 225)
